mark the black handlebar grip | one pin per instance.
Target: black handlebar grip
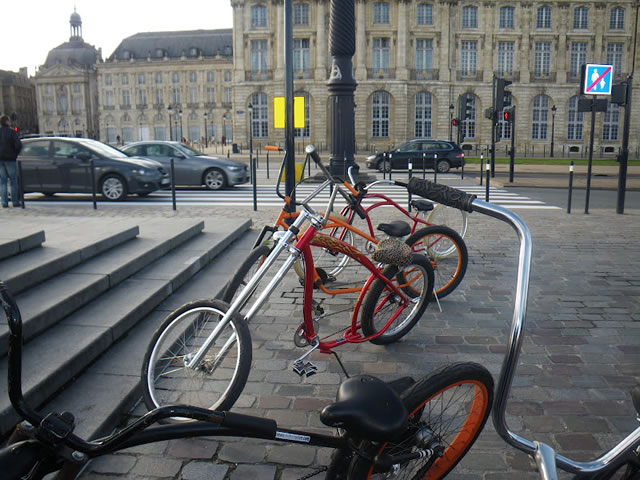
(264, 426)
(441, 193)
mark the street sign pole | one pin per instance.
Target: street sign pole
(591, 139)
(493, 131)
(624, 154)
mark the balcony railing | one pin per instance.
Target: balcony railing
(109, 107)
(125, 106)
(268, 75)
(468, 75)
(511, 76)
(432, 74)
(543, 77)
(373, 73)
(141, 106)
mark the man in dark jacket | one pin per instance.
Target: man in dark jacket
(10, 146)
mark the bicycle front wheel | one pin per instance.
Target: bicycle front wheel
(447, 411)
(244, 274)
(449, 270)
(217, 381)
(450, 217)
(381, 305)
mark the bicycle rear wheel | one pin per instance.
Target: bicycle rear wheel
(216, 383)
(380, 304)
(450, 217)
(447, 411)
(331, 262)
(449, 270)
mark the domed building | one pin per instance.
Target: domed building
(66, 87)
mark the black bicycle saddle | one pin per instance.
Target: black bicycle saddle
(367, 408)
(397, 228)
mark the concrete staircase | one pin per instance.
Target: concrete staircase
(91, 296)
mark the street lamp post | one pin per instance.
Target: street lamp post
(252, 163)
(451, 109)
(181, 133)
(553, 126)
(170, 111)
(224, 117)
(206, 142)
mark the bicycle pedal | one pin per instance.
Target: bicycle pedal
(303, 368)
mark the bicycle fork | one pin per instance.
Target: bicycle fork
(283, 243)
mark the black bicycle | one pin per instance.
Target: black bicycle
(411, 430)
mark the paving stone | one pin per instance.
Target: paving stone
(157, 466)
(291, 455)
(254, 472)
(204, 471)
(241, 453)
(113, 464)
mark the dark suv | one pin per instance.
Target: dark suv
(435, 154)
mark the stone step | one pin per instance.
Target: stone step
(49, 302)
(69, 243)
(65, 350)
(13, 242)
(111, 386)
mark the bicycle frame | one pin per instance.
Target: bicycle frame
(311, 236)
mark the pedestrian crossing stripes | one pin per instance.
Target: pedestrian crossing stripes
(242, 196)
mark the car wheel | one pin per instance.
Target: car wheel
(214, 179)
(443, 166)
(113, 188)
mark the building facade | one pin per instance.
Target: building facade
(418, 61)
(66, 87)
(168, 85)
(18, 99)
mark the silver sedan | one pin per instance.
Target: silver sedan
(192, 168)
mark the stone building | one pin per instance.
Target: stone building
(417, 62)
(168, 85)
(18, 99)
(66, 88)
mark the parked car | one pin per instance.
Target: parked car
(434, 154)
(63, 165)
(191, 167)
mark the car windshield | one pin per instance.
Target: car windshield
(189, 150)
(103, 149)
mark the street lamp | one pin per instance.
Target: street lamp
(170, 111)
(181, 134)
(206, 141)
(451, 109)
(553, 126)
(252, 162)
(224, 117)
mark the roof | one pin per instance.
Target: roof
(192, 43)
(74, 53)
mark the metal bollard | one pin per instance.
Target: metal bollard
(435, 168)
(20, 184)
(424, 165)
(410, 175)
(570, 186)
(390, 165)
(173, 183)
(488, 170)
(384, 170)
(93, 183)
(268, 166)
(481, 167)
(462, 170)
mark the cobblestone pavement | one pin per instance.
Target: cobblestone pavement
(580, 358)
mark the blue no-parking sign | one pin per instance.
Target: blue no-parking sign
(598, 79)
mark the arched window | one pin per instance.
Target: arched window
(610, 123)
(423, 115)
(380, 114)
(575, 120)
(306, 131)
(260, 116)
(540, 119)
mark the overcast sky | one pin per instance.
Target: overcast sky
(33, 27)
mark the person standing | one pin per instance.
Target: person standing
(10, 146)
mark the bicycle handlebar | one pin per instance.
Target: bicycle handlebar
(437, 192)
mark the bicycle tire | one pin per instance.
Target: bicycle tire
(464, 392)
(450, 217)
(332, 263)
(450, 270)
(378, 303)
(217, 382)
(245, 273)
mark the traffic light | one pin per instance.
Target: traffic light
(454, 122)
(503, 98)
(468, 106)
(507, 115)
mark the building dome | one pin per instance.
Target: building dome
(76, 52)
(75, 19)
